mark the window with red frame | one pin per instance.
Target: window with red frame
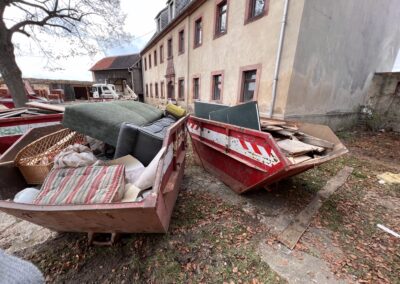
(198, 32)
(249, 85)
(181, 41)
(162, 90)
(181, 89)
(196, 88)
(161, 53)
(256, 9)
(156, 89)
(149, 61)
(222, 18)
(170, 51)
(217, 87)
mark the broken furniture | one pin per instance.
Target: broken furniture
(246, 159)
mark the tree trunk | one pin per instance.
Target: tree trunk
(10, 71)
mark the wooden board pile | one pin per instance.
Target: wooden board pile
(23, 112)
(298, 146)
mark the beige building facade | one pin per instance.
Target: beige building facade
(281, 53)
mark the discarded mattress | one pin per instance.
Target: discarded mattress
(86, 185)
(103, 120)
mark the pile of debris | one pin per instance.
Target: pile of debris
(23, 112)
(298, 146)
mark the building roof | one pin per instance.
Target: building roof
(183, 8)
(116, 62)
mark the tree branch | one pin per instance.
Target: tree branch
(23, 32)
(72, 14)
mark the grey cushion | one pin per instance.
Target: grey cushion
(142, 142)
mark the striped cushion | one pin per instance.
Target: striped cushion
(87, 185)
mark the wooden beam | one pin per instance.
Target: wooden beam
(292, 234)
(57, 108)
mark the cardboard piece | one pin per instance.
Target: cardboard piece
(243, 115)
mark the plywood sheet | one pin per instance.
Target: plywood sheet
(297, 148)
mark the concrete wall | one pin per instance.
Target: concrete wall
(384, 99)
(341, 45)
(254, 43)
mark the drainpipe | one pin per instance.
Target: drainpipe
(188, 79)
(278, 58)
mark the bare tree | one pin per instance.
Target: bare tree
(86, 26)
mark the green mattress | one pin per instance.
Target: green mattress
(103, 120)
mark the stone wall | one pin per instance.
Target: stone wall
(384, 100)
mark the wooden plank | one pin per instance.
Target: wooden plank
(300, 159)
(271, 128)
(10, 109)
(287, 133)
(57, 108)
(297, 148)
(292, 234)
(291, 128)
(272, 123)
(316, 141)
(13, 113)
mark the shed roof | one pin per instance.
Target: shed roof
(116, 62)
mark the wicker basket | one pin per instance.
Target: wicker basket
(37, 159)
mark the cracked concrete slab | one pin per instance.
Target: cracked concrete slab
(17, 235)
(296, 267)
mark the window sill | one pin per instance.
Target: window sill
(181, 52)
(218, 35)
(253, 19)
(197, 45)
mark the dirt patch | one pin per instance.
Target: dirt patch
(209, 242)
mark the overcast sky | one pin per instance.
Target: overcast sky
(140, 23)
